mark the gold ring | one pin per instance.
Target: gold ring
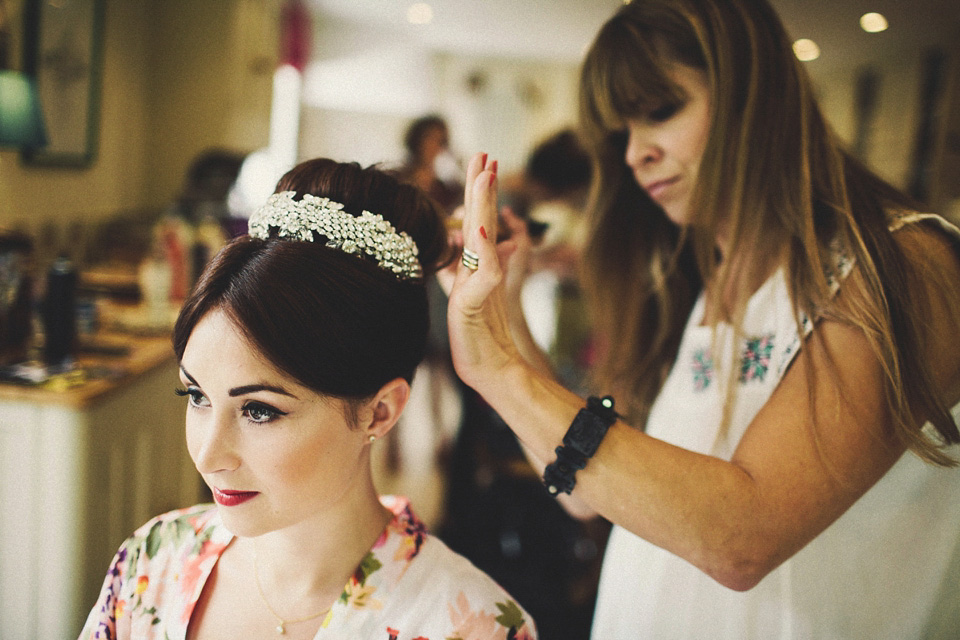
(470, 260)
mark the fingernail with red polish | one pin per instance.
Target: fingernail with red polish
(484, 159)
(493, 167)
(483, 232)
(493, 176)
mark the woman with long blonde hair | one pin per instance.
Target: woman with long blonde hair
(779, 330)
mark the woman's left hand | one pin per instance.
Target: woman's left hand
(477, 314)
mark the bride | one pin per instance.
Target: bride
(296, 351)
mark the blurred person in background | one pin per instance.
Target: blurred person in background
(429, 164)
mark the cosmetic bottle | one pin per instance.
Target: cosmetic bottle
(59, 313)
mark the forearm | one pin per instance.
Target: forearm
(704, 509)
(701, 508)
(797, 466)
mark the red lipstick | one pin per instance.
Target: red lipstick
(230, 498)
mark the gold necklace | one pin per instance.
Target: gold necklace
(281, 623)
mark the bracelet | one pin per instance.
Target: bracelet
(580, 442)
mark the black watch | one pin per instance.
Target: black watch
(579, 444)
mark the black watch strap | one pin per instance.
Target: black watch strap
(580, 442)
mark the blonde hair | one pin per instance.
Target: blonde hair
(775, 169)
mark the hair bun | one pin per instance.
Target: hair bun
(372, 189)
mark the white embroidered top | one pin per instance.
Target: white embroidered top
(888, 568)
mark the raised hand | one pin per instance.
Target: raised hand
(477, 318)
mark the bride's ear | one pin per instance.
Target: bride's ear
(385, 407)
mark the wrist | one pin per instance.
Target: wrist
(504, 374)
(515, 315)
(579, 444)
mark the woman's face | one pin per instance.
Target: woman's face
(273, 452)
(433, 143)
(664, 147)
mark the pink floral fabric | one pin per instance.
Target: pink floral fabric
(409, 586)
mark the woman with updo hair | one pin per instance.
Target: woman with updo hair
(297, 349)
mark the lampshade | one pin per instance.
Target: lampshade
(21, 120)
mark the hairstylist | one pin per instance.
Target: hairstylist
(780, 340)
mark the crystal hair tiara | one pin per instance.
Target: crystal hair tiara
(364, 234)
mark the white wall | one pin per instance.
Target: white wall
(361, 88)
(504, 107)
(893, 133)
(364, 86)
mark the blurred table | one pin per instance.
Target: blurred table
(85, 460)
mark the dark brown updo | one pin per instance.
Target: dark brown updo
(337, 323)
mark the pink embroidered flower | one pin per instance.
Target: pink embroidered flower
(407, 549)
(523, 634)
(475, 625)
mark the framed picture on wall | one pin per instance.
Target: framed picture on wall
(63, 50)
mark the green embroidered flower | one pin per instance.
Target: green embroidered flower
(702, 369)
(756, 358)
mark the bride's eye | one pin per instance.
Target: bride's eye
(261, 413)
(197, 399)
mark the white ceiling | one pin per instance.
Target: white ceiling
(562, 29)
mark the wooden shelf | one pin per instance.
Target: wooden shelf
(144, 353)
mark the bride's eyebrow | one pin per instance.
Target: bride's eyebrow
(189, 377)
(250, 388)
(245, 389)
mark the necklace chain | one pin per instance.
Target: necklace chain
(280, 620)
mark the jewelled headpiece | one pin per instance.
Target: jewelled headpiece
(367, 233)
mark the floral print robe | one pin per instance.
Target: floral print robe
(410, 586)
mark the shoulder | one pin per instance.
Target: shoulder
(931, 248)
(929, 265)
(442, 585)
(921, 288)
(450, 586)
(452, 569)
(928, 241)
(146, 563)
